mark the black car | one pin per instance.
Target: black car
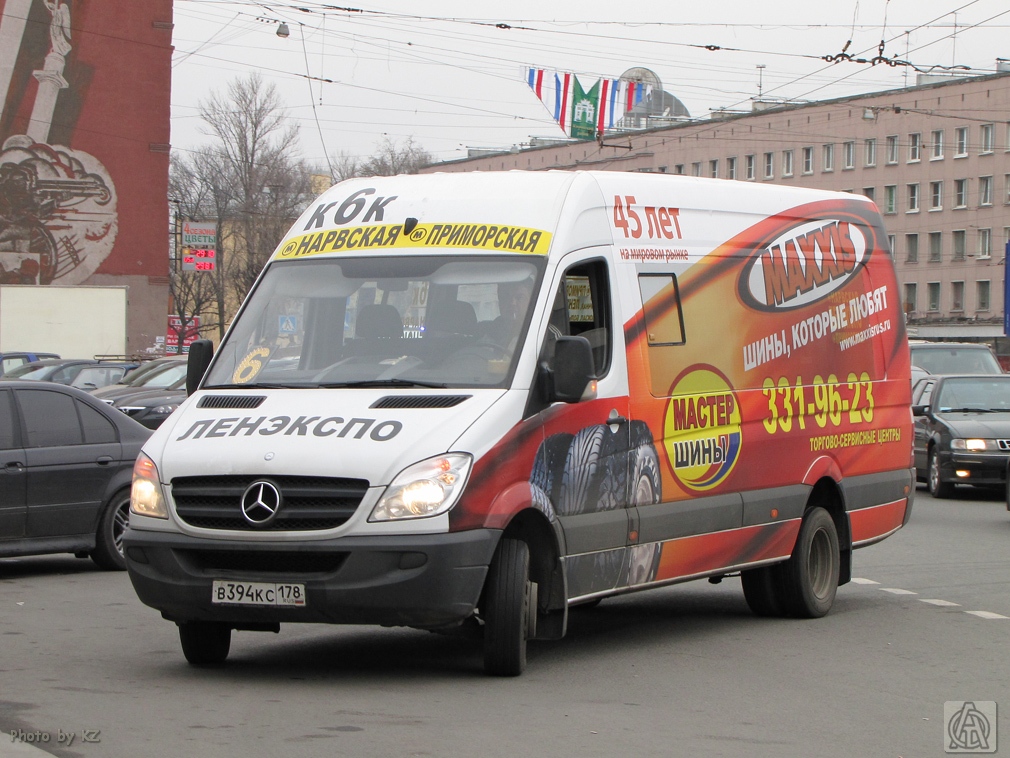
(151, 406)
(86, 373)
(962, 431)
(158, 374)
(66, 466)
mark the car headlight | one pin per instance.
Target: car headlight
(146, 498)
(424, 489)
(973, 444)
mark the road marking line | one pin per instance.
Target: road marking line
(943, 603)
(986, 615)
(896, 591)
(858, 580)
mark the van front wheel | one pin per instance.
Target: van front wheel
(509, 604)
(205, 643)
(808, 581)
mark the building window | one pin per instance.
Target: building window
(958, 244)
(713, 168)
(985, 138)
(935, 247)
(960, 193)
(914, 147)
(1006, 191)
(749, 166)
(679, 169)
(934, 296)
(892, 243)
(870, 152)
(936, 196)
(982, 295)
(848, 155)
(936, 145)
(957, 296)
(808, 160)
(769, 165)
(910, 297)
(696, 168)
(787, 163)
(892, 149)
(913, 198)
(985, 243)
(961, 142)
(869, 192)
(911, 248)
(891, 198)
(828, 158)
(731, 168)
(985, 190)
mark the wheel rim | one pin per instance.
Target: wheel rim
(819, 563)
(934, 473)
(120, 521)
(643, 491)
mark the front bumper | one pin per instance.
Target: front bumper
(425, 581)
(981, 467)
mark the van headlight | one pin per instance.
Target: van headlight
(424, 489)
(146, 497)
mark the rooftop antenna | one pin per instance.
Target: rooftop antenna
(953, 45)
(760, 67)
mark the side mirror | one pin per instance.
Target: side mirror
(920, 410)
(200, 353)
(574, 372)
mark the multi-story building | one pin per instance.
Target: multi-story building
(934, 157)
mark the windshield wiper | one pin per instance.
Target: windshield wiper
(971, 410)
(257, 386)
(364, 383)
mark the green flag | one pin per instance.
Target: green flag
(585, 109)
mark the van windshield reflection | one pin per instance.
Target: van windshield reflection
(428, 322)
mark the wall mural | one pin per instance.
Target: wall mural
(58, 218)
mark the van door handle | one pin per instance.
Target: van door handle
(103, 460)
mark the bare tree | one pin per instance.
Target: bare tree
(249, 179)
(391, 159)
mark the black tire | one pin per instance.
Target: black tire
(646, 483)
(509, 602)
(549, 464)
(806, 584)
(108, 552)
(759, 589)
(580, 482)
(205, 643)
(934, 481)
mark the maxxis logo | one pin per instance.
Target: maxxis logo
(702, 432)
(805, 262)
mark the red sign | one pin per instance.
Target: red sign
(192, 334)
(194, 259)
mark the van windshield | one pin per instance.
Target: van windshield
(432, 321)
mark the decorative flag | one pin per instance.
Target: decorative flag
(609, 102)
(554, 90)
(585, 110)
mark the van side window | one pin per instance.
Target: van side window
(664, 321)
(586, 313)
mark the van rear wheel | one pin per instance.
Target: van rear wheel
(205, 643)
(509, 609)
(759, 589)
(806, 583)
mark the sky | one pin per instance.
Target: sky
(451, 75)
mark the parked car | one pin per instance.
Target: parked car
(9, 361)
(953, 358)
(66, 465)
(85, 373)
(151, 406)
(962, 431)
(159, 373)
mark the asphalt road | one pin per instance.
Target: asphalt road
(681, 671)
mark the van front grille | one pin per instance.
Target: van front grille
(308, 503)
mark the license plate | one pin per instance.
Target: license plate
(257, 593)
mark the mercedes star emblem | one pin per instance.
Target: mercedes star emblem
(260, 502)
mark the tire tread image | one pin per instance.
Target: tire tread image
(506, 609)
(806, 584)
(205, 643)
(580, 481)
